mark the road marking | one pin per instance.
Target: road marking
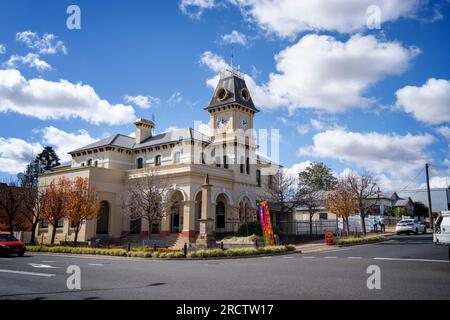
(96, 264)
(405, 259)
(288, 257)
(354, 258)
(48, 261)
(267, 257)
(6, 259)
(42, 266)
(309, 257)
(28, 273)
(330, 257)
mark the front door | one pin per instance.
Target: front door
(175, 227)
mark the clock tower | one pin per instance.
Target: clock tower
(231, 108)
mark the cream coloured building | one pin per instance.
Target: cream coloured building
(215, 180)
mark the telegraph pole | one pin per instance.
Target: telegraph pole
(430, 210)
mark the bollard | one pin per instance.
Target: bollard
(221, 245)
(154, 246)
(185, 249)
(256, 243)
(129, 246)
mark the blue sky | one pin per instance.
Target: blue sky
(355, 97)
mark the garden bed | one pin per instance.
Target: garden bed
(354, 240)
(164, 253)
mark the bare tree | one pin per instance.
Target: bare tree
(366, 193)
(144, 198)
(283, 191)
(34, 200)
(11, 202)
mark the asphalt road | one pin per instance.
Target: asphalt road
(412, 267)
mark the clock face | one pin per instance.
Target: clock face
(244, 124)
(222, 122)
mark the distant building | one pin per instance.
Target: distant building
(440, 197)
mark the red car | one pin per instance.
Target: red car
(10, 245)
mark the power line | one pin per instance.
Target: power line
(412, 180)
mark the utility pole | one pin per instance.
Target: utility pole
(430, 210)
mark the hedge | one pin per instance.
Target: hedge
(207, 253)
(358, 240)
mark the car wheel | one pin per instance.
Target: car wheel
(21, 254)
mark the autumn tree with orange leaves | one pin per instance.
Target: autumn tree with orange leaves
(83, 204)
(341, 201)
(55, 203)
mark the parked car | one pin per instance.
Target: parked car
(441, 235)
(410, 226)
(10, 245)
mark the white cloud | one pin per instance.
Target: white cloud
(397, 155)
(444, 130)
(440, 182)
(294, 170)
(287, 18)
(47, 44)
(175, 99)
(429, 103)
(15, 154)
(195, 8)
(235, 37)
(144, 102)
(65, 142)
(31, 60)
(58, 100)
(2, 49)
(320, 72)
(317, 125)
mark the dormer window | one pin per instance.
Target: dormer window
(158, 160)
(140, 163)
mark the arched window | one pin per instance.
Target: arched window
(176, 157)
(140, 163)
(158, 160)
(89, 162)
(220, 215)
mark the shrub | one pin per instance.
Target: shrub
(357, 239)
(250, 228)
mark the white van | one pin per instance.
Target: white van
(441, 233)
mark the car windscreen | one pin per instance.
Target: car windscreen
(7, 237)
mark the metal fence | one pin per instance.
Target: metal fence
(318, 227)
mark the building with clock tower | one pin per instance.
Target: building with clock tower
(215, 179)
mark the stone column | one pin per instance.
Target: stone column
(165, 225)
(188, 213)
(206, 237)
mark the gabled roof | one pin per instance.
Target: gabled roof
(129, 143)
(234, 85)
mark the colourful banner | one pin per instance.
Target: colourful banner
(266, 224)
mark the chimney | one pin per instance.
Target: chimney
(144, 129)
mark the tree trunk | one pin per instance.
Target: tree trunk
(53, 234)
(348, 226)
(363, 222)
(150, 229)
(33, 231)
(75, 240)
(11, 224)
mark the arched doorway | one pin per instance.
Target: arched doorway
(103, 218)
(176, 212)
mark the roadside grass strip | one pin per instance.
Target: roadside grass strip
(354, 240)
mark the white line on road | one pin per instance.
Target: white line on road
(418, 260)
(28, 273)
(43, 266)
(288, 257)
(96, 264)
(267, 257)
(354, 258)
(330, 257)
(309, 257)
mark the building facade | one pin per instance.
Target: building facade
(215, 180)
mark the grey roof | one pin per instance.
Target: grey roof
(127, 142)
(402, 202)
(234, 85)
